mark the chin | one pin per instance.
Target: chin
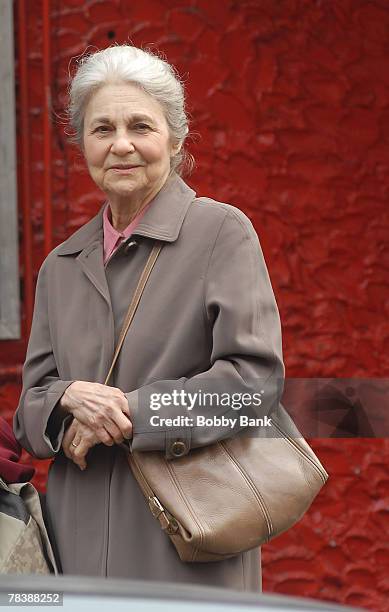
(123, 193)
(121, 190)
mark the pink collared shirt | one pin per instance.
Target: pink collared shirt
(113, 238)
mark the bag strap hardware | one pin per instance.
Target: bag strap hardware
(155, 506)
(168, 524)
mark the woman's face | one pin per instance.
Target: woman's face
(124, 126)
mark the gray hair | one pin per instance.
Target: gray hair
(154, 75)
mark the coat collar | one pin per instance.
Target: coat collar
(162, 220)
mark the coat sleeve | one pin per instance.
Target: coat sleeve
(39, 422)
(243, 319)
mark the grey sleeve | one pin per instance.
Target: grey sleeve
(242, 314)
(39, 423)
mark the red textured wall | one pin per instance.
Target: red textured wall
(290, 99)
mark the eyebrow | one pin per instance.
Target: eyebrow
(130, 119)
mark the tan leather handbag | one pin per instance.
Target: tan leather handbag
(228, 497)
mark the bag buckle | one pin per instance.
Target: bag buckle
(155, 506)
(167, 522)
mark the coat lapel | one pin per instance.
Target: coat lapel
(162, 221)
(164, 218)
(91, 261)
(87, 244)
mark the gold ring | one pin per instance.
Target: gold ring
(74, 444)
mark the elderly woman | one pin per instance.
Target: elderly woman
(207, 315)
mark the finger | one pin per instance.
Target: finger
(104, 437)
(75, 443)
(122, 421)
(114, 432)
(72, 446)
(124, 407)
(68, 438)
(79, 454)
(116, 414)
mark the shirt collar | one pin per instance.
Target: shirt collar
(112, 235)
(162, 220)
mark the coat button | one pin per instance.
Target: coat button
(178, 448)
(129, 246)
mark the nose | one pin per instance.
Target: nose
(122, 145)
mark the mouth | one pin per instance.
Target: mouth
(124, 167)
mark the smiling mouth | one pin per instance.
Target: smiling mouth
(123, 167)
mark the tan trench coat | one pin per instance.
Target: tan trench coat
(208, 313)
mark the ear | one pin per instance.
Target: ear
(175, 148)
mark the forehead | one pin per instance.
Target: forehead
(122, 100)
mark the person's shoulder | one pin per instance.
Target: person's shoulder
(77, 240)
(222, 212)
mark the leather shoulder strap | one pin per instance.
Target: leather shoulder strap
(135, 302)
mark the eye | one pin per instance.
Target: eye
(101, 129)
(142, 127)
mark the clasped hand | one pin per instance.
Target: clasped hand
(101, 415)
